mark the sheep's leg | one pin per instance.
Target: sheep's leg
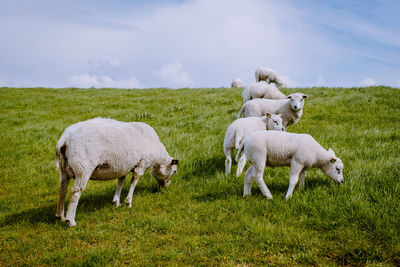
(241, 164)
(77, 189)
(228, 161)
(258, 175)
(117, 195)
(302, 177)
(64, 182)
(248, 179)
(139, 170)
(294, 177)
(261, 184)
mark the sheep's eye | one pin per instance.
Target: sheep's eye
(301, 100)
(275, 122)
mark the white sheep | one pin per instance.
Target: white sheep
(290, 109)
(268, 75)
(105, 149)
(261, 90)
(236, 83)
(240, 129)
(299, 151)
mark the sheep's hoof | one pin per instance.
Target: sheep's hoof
(72, 223)
(128, 202)
(60, 217)
(116, 202)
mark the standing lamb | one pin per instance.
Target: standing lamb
(290, 109)
(236, 83)
(105, 149)
(261, 90)
(268, 75)
(299, 151)
(240, 129)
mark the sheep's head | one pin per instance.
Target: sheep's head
(334, 168)
(274, 122)
(164, 171)
(297, 101)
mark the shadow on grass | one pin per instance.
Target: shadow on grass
(89, 202)
(234, 188)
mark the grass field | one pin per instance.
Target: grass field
(202, 218)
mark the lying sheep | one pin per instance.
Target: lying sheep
(261, 90)
(290, 109)
(236, 83)
(105, 149)
(268, 75)
(240, 129)
(299, 151)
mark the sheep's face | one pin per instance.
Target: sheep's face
(335, 168)
(297, 101)
(274, 122)
(164, 171)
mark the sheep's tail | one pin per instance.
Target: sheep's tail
(240, 152)
(241, 111)
(61, 159)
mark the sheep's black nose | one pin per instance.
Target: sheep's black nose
(295, 107)
(283, 129)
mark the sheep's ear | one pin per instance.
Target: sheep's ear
(305, 96)
(332, 160)
(268, 114)
(174, 161)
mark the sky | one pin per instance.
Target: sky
(198, 43)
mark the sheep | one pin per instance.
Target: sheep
(270, 76)
(261, 90)
(106, 149)
(236, 83)
(290, 109)
(240, 129)
(299, 151)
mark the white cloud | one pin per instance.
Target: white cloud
(87, 81)
(368, 82)
(320, 81)
(173, 75)
(289, 82)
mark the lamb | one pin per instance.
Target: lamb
(236, 83)
(290, 109)
(240, 129)
(268, 75)
(106, 149)
(261, 90)
(299, 151)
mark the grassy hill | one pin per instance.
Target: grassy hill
(202, 218)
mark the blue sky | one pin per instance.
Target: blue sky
(147, 44)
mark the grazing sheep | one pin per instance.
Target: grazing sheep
(290, 109)
(240, 129)
(261, 90)
(105, 149)
(236, 83)
(299, 151)
(268, 75)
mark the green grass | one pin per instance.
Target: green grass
(202, 219)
